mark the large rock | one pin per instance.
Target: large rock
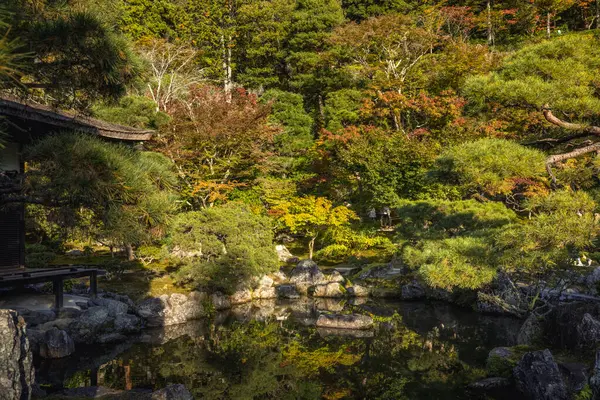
(335, 276)
(56, 344)
(287, 292)
(305, 275)
(377, 272)
(592, 280)
(174, 309)
(153, 310)
(16, 369)
(220, 301)
(333, 289)
(490, 303)
(62, 324)
(114, 307)
(172, 392)
(345, 321)
(193, 308)
(588, 332)
(531, 331)
(284, 254)
(264, 293)
(575, 375)
(357, 291)
(412, 291)
(265, 289)
(265, 281)
(34, 318)
(90, 323)
(127, 323)
(279, 277)
(595, 378)
(537, 376)
(500, 362)
(241, 296)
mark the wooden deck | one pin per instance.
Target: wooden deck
(16, 277)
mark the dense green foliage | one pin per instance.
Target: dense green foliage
(222, 246)
(319, 115)
(121, 196)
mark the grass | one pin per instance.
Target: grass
(139, 285)
(137, 281)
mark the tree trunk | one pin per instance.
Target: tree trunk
(597, 14)
(548, 21)
(129, 252)
(311, 247)
(490, 30)
(227, 74)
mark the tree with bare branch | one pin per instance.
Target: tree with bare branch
(173, 71)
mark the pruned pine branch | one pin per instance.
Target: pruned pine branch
(585, 130)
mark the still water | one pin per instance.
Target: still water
(271, 350)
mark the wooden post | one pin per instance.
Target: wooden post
(94, 376)
(57, 285)
(94, 284)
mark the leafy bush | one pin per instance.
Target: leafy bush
(439, 219)
(461, 262)
(135, 111)
(562, 225)
(222, 246)
(38, 256)
(333, 253)
(491, 166)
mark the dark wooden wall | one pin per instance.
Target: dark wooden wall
(12, 237)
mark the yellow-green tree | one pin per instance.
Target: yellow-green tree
(311, 216)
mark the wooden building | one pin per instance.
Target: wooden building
(23, 123)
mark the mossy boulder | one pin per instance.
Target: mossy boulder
(502, 360)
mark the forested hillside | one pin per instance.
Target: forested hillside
(456, 139)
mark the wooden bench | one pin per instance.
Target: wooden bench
(25, 276)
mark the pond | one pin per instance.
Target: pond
(271, 350)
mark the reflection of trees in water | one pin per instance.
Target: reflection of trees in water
(280, 361)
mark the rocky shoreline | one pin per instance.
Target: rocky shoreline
(112, 318)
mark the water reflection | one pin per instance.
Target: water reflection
(271, 349)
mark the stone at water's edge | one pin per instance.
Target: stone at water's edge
(537, 376)
(241, 296)
(500, 362)
(265, 293)
(588, 331)
(177, 308)
(575, 375)
(595, 379)
(16, 369)
(413, 291)
(172, 392)
(307, 273)
(345, 321)
(57, 344)
(284, 254)
(531, 331)
(357, 291)
(333, 289)
(287, 292)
